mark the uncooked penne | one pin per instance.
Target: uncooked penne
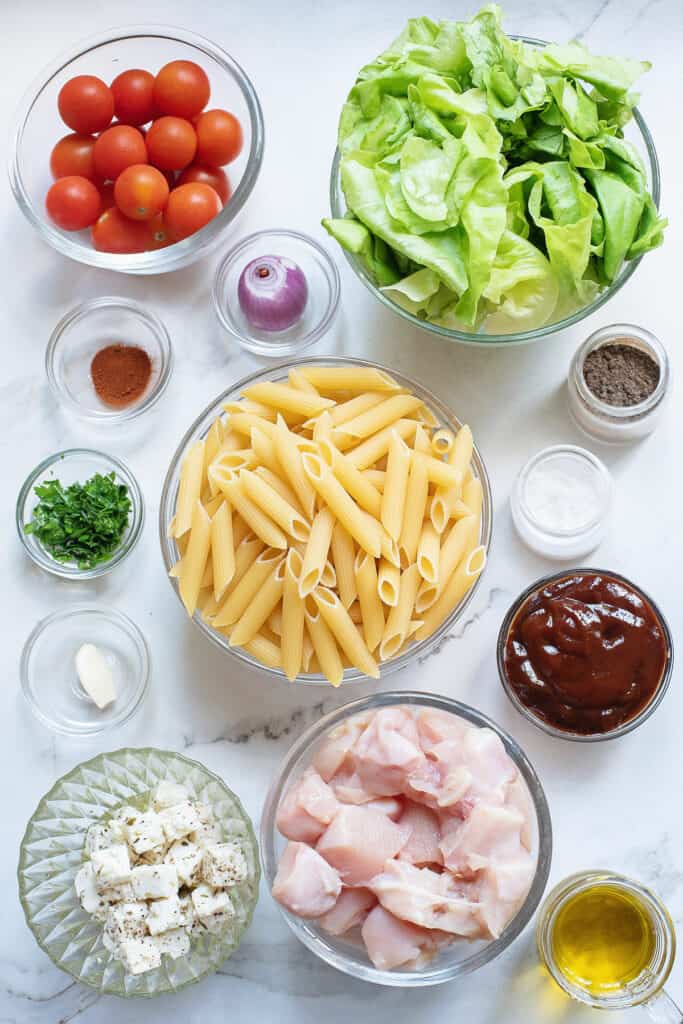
(422, 442)
(461, 537)
(190, 488)
(442, 442)
(388, 579)
(324, 644)
(265, 651)
(349, 378)
(345, 411)
(446, 496)
(365, 530)
(440, 472)
(343, 557)
(263, 448)
(344, 631)
(297, 380)
(279, 485)
(417, 492)
(245, 405)
(290, 460)
(375, 419)
(472, 496)
(222, 549)
(395, 487)
(274, 506)
(398, 620)
(262, 525)
(355, 482)
(315, 554)
(428, 553)
(194, 559)
(285, 398)
(372, 609)
(292, 623)
(471, 566)
(371, 450)
(259, 608)
(323, 427)
(240, 598)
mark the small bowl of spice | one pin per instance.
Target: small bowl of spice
(585, 655)
(79, 514)
(109, 360)
(618, 382)
(277, 292)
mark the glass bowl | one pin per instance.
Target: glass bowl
(71, 466)
(625, 727)
(38, 127)
(82, 332)
(52, 852)
(322, 278)
(636, 132)
(48, 675)
(200, 427)
(456, 959)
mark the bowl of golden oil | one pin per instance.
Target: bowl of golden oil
(609, 942)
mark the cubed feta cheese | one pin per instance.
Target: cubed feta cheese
(206, 833)
(163, 915)
(167, 794)
(208, 901)
(111, 866)
(186, 856)
(154, 881)
(122, 893)
(140, 955)
(86, 890)
(224, 865)
(175, 943)
(218, 923)
(101, 836)
(178, 821)
(145, 832)
(126, 815)
(187, 913)
(204, 813)
(156, 856)
(126, 921)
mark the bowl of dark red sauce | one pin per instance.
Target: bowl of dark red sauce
(585, 655)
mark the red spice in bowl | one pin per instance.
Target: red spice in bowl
(120, 374)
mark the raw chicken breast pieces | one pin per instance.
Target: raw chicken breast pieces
(413, 825)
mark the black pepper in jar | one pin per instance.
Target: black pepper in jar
(620, 373)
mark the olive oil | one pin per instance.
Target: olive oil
(603, 939)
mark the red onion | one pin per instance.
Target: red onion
(272, 293)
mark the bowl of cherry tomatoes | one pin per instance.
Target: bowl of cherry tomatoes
(136, 151)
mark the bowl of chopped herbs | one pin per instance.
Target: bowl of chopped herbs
(79, 513)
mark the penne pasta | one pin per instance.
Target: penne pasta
(398, 620)
(343, 557)
(262, 525)
(422, 442)
(374, 448)
(207, 578)
(375, 419)
(372, 610)
(190, 488)
(472, 496)
(462, 536)
(351, 478)
(194, 559)
(240, 598)
(222, 549)
(264, 451)
(254, 408)
(307, 650)
(417, 491)
(265, 651)
(428, 553)
(346, 411)
(274, 620)
(349, 378)
(388, 579)
(315, 555)
(297, 380)
(292, 622)
(240, 530)
(324, 644)
(376, 477)
(365, 530)
(273, 505)
(285, 398)
(442, 442)
(290, 460)
(245, 422)
(471, 566)
(329, 576)
(344, 631)
(259, 608)
(213, 442)
(323, 427)
(395, 487)
(246, 553)
(279, 485)
(440, 472)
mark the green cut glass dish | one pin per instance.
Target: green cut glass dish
(52, 851)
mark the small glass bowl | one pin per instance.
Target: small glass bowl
(49, 680)
(563, 734)
(38, 127)
(82, 332)
(617, 424)
(71, 466)
(544, 537)
(457, 958)
(52, 851)
(322, 278)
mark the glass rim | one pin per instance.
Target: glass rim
(323, 324)
(517, 337)
(597, 464)
(67, 570)
(132, 631)
(170, 554)
(472, 715)
(180, 253)
(613, 334)
(78, 313)
(576, 737)
(579, 882)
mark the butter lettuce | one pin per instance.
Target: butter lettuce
(487, 181)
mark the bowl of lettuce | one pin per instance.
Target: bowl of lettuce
(493, 189)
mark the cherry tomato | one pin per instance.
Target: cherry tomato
(134, 97)
(213, 176)
(86, 104)
(171, 143)
(73, 203)
(107, 194)
(181, 88)
(141, 192)
(117, 148)
(219, 137)
(189, 208)
(73, 155)
(113, 232)
(159, 237)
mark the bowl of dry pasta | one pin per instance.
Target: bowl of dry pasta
(326, 519)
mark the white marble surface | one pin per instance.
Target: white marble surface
(614, 804)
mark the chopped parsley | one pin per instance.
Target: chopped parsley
(81, 523)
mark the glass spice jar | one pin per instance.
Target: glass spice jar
(617, 424)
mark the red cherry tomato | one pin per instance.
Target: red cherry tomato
(181, 89)
(189, 208)
(73, 155)
(213, 176)
(219, 137)
(113, 232)
(141, 192)
(171, 143)
(159, 236)
(86, 104)
(134, 97)
(73, 203)
(117, 148)
(107, 194)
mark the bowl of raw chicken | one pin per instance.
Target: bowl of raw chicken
(406, 839)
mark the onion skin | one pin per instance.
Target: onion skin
(272, 293)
